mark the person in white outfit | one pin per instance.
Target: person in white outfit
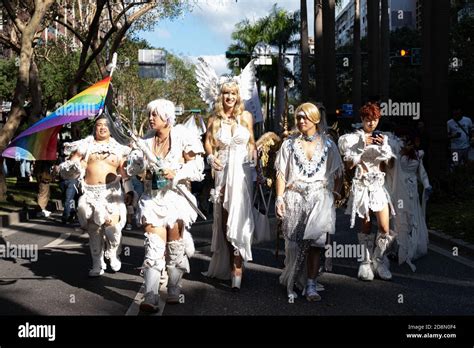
(409, 222)
(171, 157)
(309, 177)
(369, 152)
(98, 163)
(230, 149)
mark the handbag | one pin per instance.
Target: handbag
(262, 232)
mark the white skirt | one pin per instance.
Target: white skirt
(164, 208)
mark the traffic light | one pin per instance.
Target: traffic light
(404, 53)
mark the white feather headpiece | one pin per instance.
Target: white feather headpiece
(210, 85)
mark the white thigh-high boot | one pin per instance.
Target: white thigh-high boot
(381, 263)
(96, 244)
(366, 241)
(153, 265)
(176, 264)
(113, 236)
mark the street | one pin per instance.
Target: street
(57, 283)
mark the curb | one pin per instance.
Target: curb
(11, 218)
(463, 247)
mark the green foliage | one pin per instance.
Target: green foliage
(135, 93)
(460, 79)
(8, 75)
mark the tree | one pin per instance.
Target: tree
(105, 26)
(304, 49)
(385, 52)
(318, 50)
(435, 105)
(27, 26)
(329, 58)
(280, 31)
(356, 63)
(373, 36)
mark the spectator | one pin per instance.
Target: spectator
(459, 132)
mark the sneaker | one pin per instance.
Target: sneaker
(174, 293)
(45, 213)
(150, 303)
(310, 291)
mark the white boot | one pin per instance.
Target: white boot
(96, 245)
(366, 241)
(381, 263)
(176, 264)
(153, 266)
(113, 235)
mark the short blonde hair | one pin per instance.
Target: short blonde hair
(310, 110)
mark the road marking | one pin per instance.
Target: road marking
(58, 241)
(134, 308)
(448, 254)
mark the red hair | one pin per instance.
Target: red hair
(370, 111)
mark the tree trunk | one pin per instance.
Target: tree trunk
(385, 52)
(17, 112)
(304, 47)
(318, 50)
(356, 64)
(435, 105)
(329, 59)
(373, 36)
(280, 93)
(36, 94)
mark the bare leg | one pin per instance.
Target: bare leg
(312, 262)
(383, 219)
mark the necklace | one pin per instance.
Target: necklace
(159, 146)
(309, 138)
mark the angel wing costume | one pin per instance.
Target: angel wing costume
(233, 184)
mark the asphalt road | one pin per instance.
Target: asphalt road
(57, 282)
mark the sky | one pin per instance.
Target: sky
(206, 31)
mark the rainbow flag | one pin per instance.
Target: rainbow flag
(39, 142)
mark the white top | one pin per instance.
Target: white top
(463, 141)
(293, 166)
(182, 140)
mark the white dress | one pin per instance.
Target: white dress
(235, 180)
(409, 224)
(309, 204)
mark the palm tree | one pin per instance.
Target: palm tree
(280, 32)
(329, 58)
(373, 49)
(318, 50)
(304, 48)
(435, 106)
(385, 52)
(356, 62)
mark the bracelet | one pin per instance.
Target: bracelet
(210, 159)
(279, 200)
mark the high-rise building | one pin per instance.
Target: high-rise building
(402, 13)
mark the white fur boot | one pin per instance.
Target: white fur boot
(381, 263)
(366, 241)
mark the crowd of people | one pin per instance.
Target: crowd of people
(147, 183)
